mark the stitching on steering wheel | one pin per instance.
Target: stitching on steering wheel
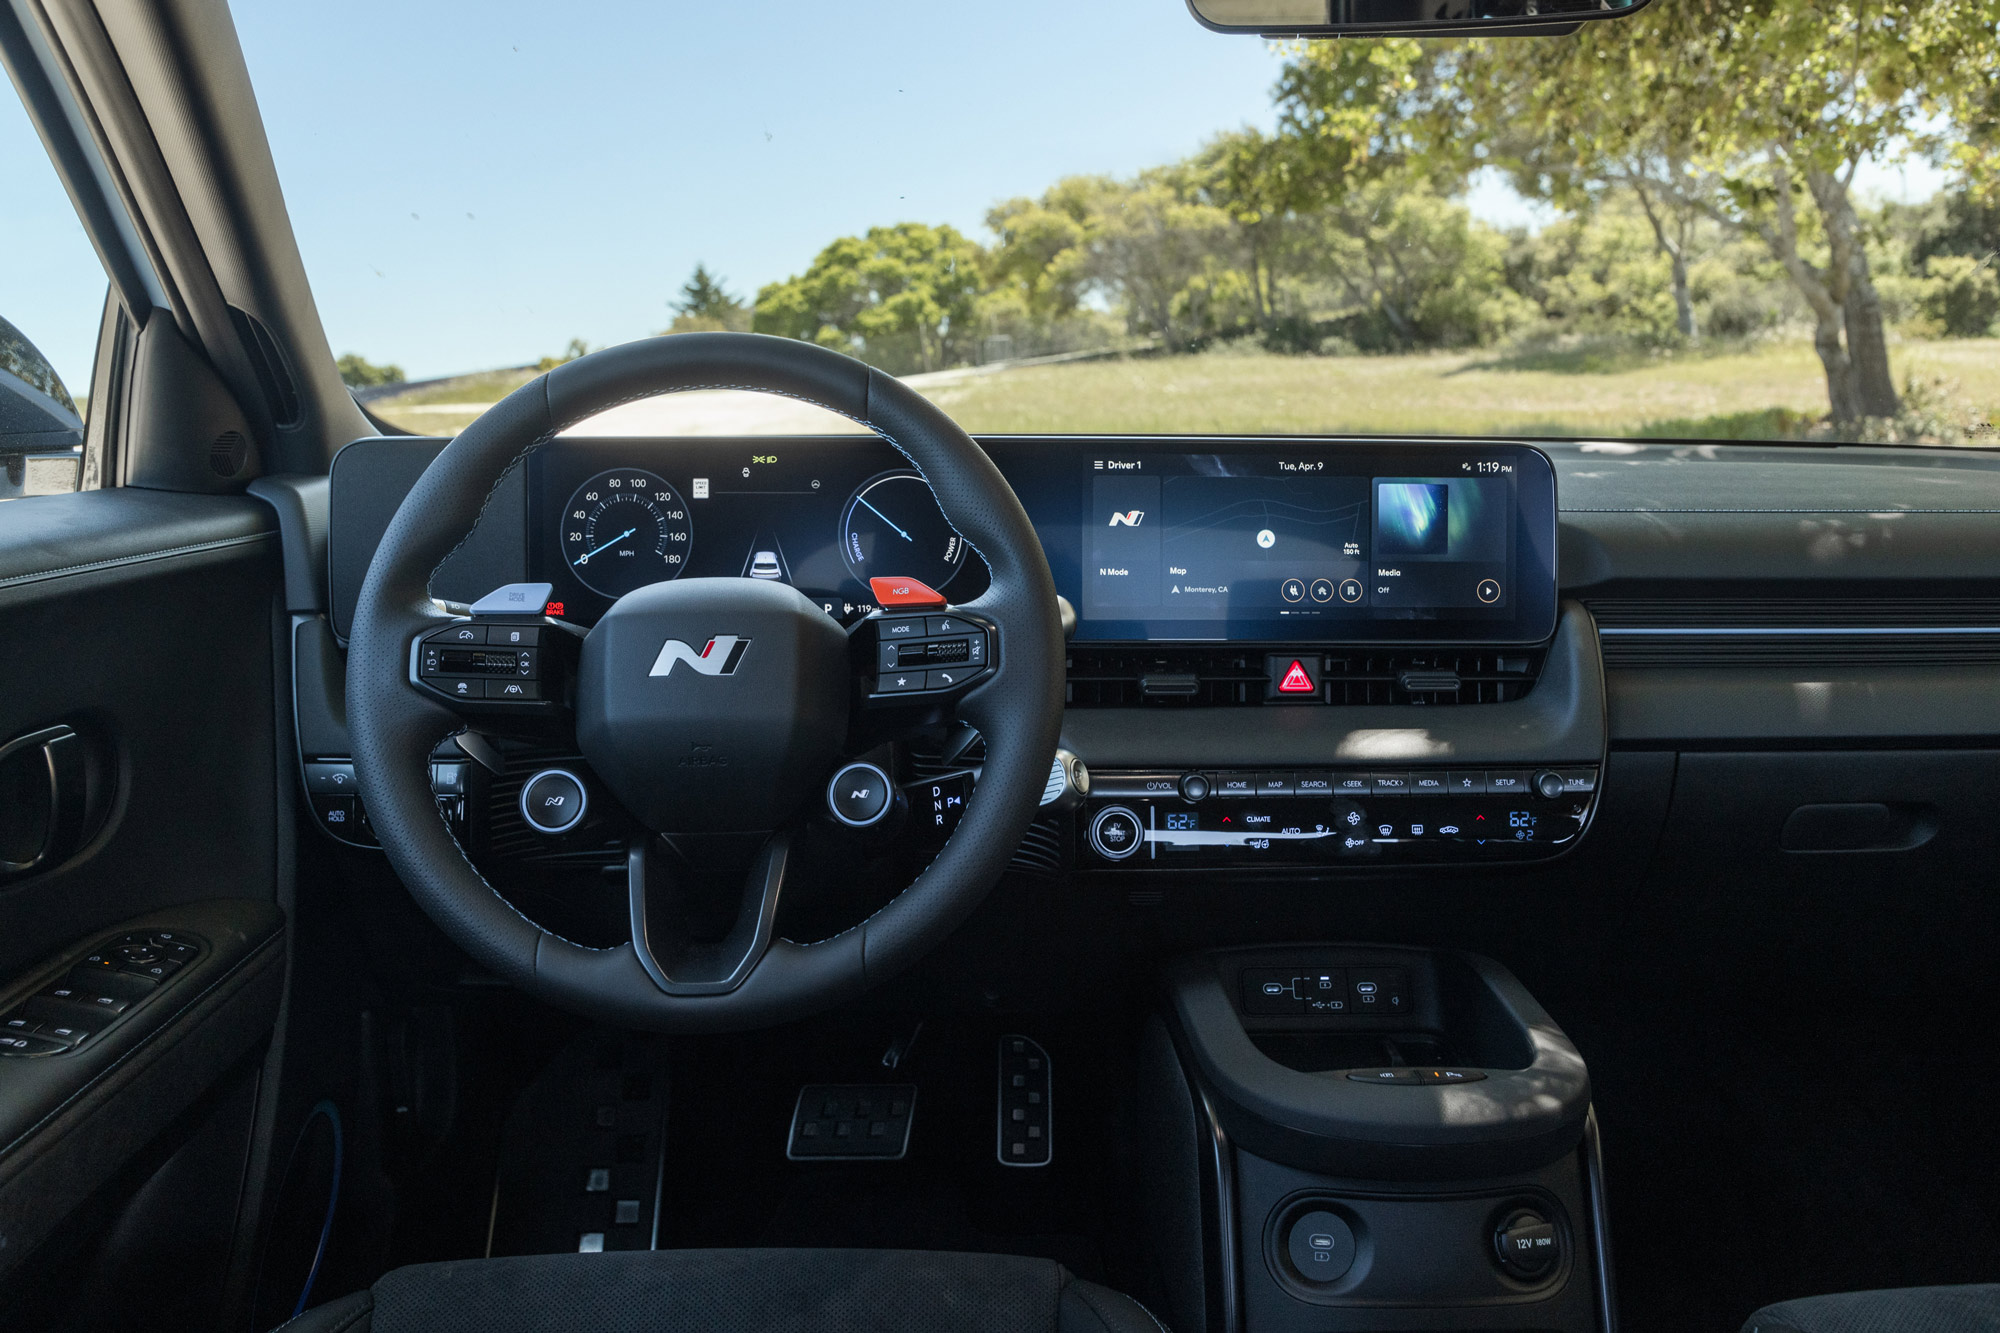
(557, 429)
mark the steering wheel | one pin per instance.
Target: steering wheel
(775, 727)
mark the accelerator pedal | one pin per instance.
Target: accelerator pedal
(1026, 1117)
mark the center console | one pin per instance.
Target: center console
(1380, 1139)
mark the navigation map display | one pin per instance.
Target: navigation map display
(1323, 544)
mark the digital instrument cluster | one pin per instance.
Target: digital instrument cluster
(823, 515)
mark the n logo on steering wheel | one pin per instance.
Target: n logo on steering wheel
(720, 658)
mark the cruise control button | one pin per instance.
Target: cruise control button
(458, 634)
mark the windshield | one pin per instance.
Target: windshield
(1769, 221)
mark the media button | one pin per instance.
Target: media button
(1428, 784)
(1488, 590)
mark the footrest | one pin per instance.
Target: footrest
(1026, 1119)
(846, 1121)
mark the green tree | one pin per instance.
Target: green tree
(1755, 113)
(902, 297)
(358, 372)
(706, 305)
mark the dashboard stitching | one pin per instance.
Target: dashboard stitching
(550, 434)
(139, 557)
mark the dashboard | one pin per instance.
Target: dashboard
(1282, 542)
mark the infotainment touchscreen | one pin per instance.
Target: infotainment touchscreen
(1327, 542)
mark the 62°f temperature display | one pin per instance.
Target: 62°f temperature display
(625, 529)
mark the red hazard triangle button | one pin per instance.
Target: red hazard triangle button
(1297, 680)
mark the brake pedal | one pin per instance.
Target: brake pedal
(850, 1121)
(1026, 1116)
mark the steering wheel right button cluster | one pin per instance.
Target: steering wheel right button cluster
(1527, 1245)
(928, 654)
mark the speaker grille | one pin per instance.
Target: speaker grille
(226, 455)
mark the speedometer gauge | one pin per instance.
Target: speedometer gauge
(892, 528)
(625, 529)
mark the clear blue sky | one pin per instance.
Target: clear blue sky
(473, 184)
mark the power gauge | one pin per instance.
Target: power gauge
(625, 529)
(892, 527)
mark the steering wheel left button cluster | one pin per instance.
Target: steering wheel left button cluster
(470, 661)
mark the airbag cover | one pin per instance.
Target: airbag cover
(713, 705)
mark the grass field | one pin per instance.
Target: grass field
(1749, 394)
(1768, 392)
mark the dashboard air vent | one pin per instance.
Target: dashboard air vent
(1139, 677)
(1798, 631)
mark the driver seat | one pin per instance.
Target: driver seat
(734, 1291)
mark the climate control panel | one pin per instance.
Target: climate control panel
(1165, 820)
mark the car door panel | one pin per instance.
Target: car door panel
(148, 623)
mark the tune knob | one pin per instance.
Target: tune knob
(553, 801)
(1549, 784)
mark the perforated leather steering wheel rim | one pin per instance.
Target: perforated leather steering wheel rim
(393, 728)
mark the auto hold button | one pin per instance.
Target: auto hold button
(1388, 1076)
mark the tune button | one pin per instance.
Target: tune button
(1116, 833)
(858, 795)
(553, 801)
(1549, 784)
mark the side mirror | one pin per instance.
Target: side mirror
(1405, 18)
(41, 432)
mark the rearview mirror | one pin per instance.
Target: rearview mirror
(1406, 18)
